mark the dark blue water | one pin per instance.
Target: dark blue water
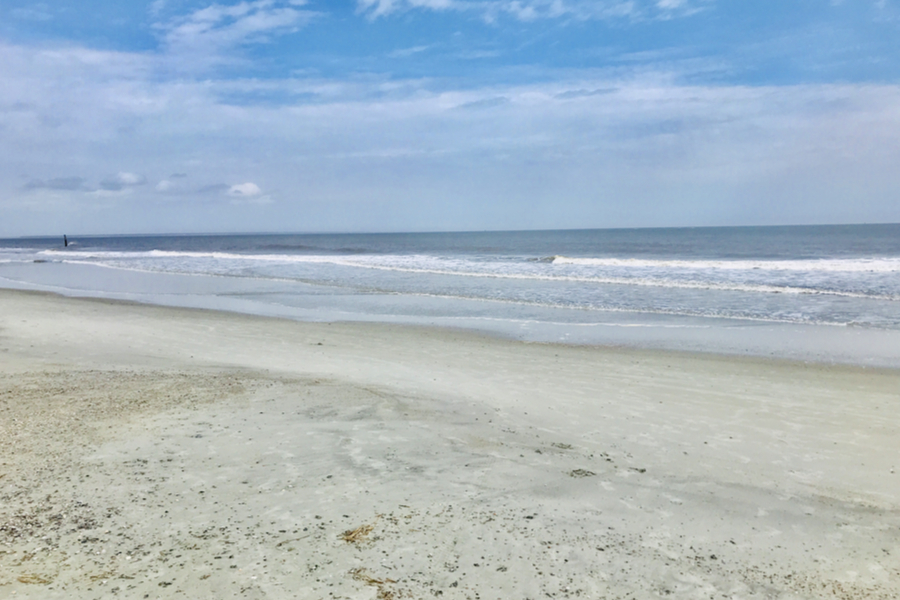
(773, 243)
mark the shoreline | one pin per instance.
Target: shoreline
(632, 345)
(160, 450)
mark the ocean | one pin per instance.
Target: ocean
(814, 293)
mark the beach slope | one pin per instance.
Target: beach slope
(152, 452)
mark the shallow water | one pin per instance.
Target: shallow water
(827, 293)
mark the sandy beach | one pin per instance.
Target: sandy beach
(150, 452)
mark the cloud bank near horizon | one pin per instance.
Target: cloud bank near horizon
(104, 139)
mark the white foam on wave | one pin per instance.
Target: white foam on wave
(716, 314)
(650, 282)
(84, 254)
(430, 265)
(15, 254)
(865, 265)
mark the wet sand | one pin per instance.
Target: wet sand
(155, 452)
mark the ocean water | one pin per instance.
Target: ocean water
(827, 293)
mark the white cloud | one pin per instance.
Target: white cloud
(121, 181)
(130, 179)
(244, 190)
(207, 32)
(407, 52)
(35, 12)
(377, 8)
(157, 6)
(531, 10)
(580, 143)
(248, 193)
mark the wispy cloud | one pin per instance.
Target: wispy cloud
(407, 52)
(239, 193)
(36, 12)
(88, 111)
(582, 93)
(157, 6)
(484, 103)
(377, 8)
(204, 37)
(533, 10)
(115, 183)
(57, 183)
(130, 126)
(214, 188)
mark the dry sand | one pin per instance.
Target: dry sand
(150, 452)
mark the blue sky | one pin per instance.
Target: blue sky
(393, 115)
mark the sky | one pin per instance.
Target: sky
(188, 116)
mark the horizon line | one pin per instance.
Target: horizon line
(434, 232)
